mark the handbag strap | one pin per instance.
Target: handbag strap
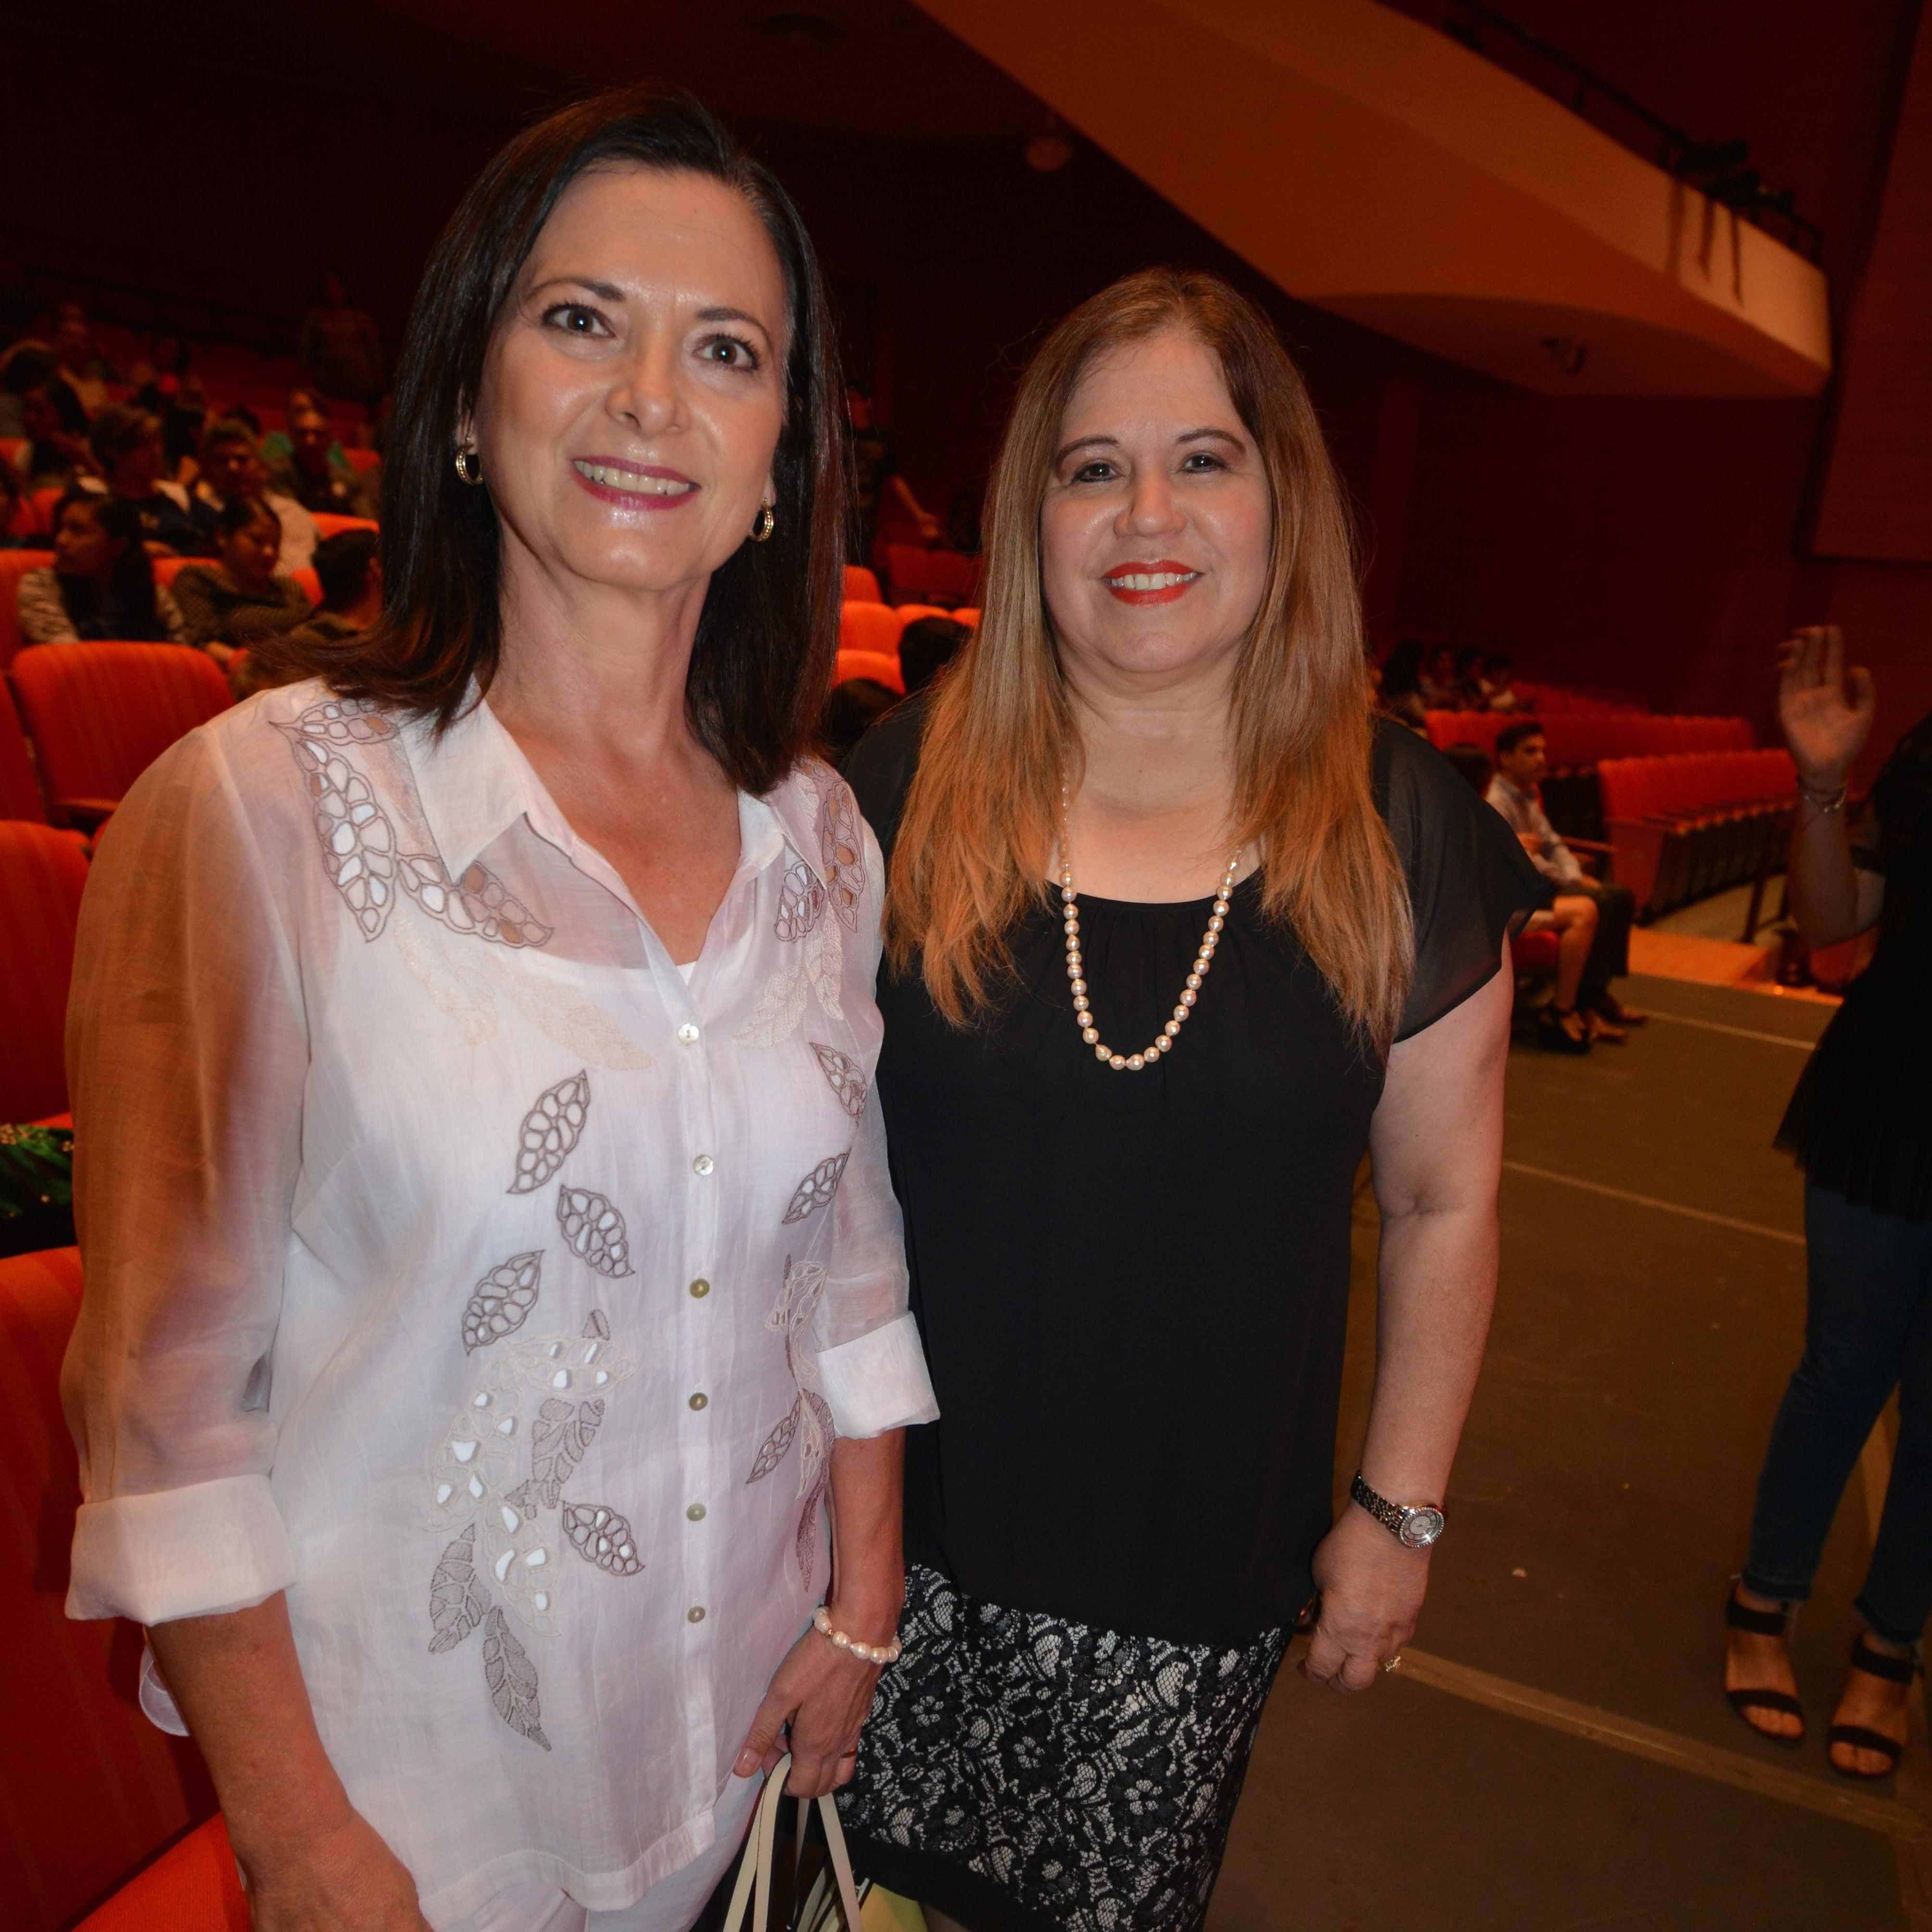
(754, 1869)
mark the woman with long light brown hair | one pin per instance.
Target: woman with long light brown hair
(1174, 935)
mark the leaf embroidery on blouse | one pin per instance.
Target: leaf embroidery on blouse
(806, 1545)
(816, 1190)
(600, 1536)
(801, 902)
(841, 851)
(843, 1076)
(550, 1131)
(594, 1231)
(457, 1602)
(562, 1432)
(597, 1329)
(345, 721)
(503, 1301)
(359, 843)
(773, 1450)
(512, 1680)
(479, 903)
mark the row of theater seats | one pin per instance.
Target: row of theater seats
(1685, 826)
(868, 637)
(1574, 739)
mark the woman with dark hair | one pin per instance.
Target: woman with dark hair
(1148, 803)
(55, 427)
(240, 596)
(491, 1263)
(102, 583)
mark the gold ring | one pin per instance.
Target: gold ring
(1389, 1663)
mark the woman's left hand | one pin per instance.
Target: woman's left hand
(823, 1692)
(1372, 1590)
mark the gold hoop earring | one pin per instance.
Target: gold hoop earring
(465, 458)
(763, 524)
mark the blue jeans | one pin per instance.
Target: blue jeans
(1868, 1330)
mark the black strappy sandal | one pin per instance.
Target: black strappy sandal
(1894, 1670)
(1761, 1623)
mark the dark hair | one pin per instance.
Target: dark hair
(342, 562)
(1514, 734)
(768, 634)
(125, 609)
(118, 431)
(1472, 762)
(851, 709)
(230, 428)
(927, 646)
(240, 511)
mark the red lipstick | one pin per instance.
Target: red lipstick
(1129, 581)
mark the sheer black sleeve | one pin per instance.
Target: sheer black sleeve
(879, 770)
(1469, 880)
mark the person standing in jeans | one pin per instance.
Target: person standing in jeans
(1861, 1126)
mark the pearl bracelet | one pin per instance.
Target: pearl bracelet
(866, 1653)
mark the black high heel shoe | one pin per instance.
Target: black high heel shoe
(1894, 1670)
(1761, 1623)
(1554, 1036)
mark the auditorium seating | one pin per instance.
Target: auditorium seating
(1691, 823)
(1575, 739)
(328, 524)
(20, 789)
(14, 565)
(881, 666)
(910, 613)
(99, 714)
(167, 568)
(861, 585)
(193, 1888)
(870, 627)
(946, 576)
(42, 873)
(91, 1790)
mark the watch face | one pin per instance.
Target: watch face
(1421, 1528)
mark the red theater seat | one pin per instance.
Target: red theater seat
(874, 664)
(870, 627)
(193, 1888)
(328, 525)
(967, 614)
(14, 565)
(940, 574)
(20, 789)
(861, 585)
(42, 874)
(167, 568)
(90, 1789)
(362, 460)
(910, 613)
(99, 714)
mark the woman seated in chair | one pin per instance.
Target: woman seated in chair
(102, 583)
(239, 595)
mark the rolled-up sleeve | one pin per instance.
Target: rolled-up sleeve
(186, 1055)
(871, 1364)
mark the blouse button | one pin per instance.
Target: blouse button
(700, 1400)
(704, 1164)
(688, 1033)
(696, 1513)
(695, 1615)
(700, 1288)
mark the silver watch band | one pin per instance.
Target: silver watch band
(1415, 1526)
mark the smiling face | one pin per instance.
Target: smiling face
(1155, 529)
(633, 392)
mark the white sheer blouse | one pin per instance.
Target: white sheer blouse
(454, 1264)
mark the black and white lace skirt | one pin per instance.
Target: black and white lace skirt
(1023, 1774)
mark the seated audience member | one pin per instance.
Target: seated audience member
(78, 363)
(851, 710)
(341, 351)
(1593, 1011)
(352, 600)
(309, 474)
(228, 604)
(1472, 766)
(126, 445)
(927, 646)
(232, 466)
(1496, 688)
(1401, 687)
(1442, 689)
(55, 427)
(102, 583)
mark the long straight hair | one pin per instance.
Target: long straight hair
(982, 815)
(762, 659)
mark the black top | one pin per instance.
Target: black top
(1133, 1287)
(1861, 1119)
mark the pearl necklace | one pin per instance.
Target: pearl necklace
(1083, 1012)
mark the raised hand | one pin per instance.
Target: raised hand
(1825, 710)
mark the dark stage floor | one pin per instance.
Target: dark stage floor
(1554, 1752)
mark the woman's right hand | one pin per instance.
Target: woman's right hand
(1826, 711)
(343, 1879)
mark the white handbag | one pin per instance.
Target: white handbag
(754, 1869)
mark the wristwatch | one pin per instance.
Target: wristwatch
(1415, 1526)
